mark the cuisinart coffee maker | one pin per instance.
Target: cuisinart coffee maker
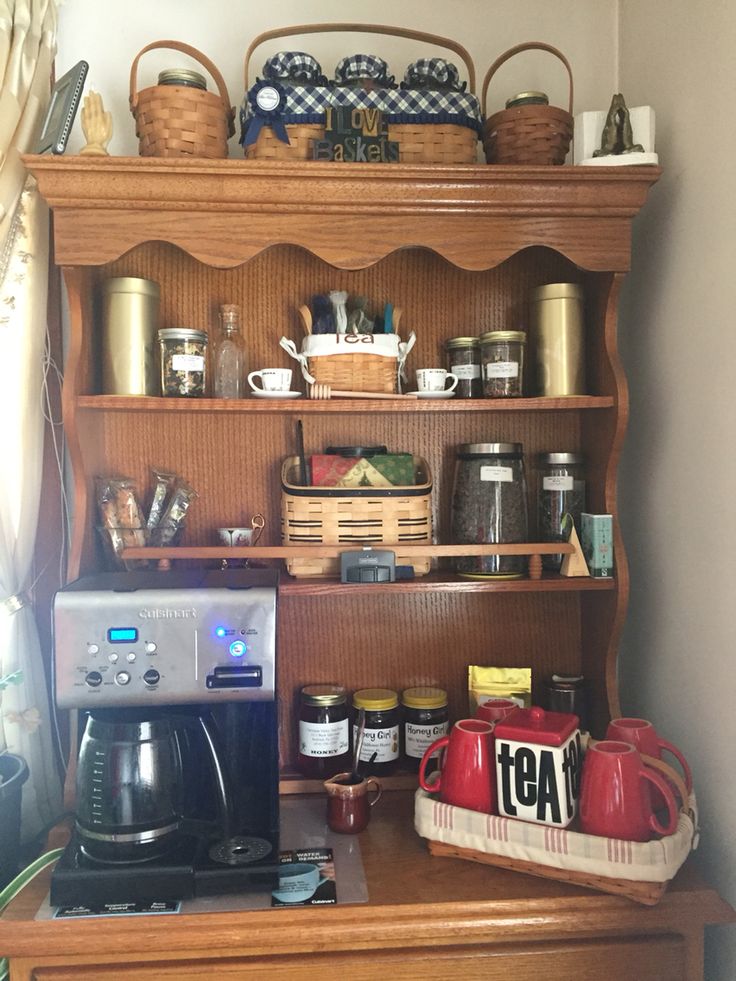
(177, 773)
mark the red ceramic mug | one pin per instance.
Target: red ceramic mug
(615, 798)
(467, 778)
(495, 709)
(643, 736)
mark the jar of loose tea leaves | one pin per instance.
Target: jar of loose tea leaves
(183, 362)
(502, 357)
(463, 361)
(561, 491)
(489, 506)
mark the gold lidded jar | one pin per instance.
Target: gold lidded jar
(324, 731)
(380, 751)
(502, 357)
(182, 76)
(424, 720)
(130, 311)
(463, 361)
(527, 99)
(556, 312)
(183, 362)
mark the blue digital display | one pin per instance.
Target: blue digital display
(122, 635)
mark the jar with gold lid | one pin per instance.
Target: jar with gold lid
(324, 731)
(379, 754)
(182, 76)
(424, 720)
(502, 356)
(463, 361)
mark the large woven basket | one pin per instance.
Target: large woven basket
(363, 516)
(531, 134)
(179, 120)
(434, 143)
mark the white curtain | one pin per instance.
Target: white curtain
(27, 46)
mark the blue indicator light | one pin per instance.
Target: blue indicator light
(220, 632)
(237, 648)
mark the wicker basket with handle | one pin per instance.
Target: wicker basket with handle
(434, 143)
(180, 120)
(527, 134)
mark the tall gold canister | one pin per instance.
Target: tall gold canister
(130, 308)
(558, 325)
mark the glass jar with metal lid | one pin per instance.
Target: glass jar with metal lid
(561, 491)
(183, 361)
(502, 357)
(489, 507)
(463, 361)
(424, 719)
(380, 751)
(324, 732)
(527, 99)
(182, 76)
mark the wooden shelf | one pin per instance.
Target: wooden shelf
(136, 403)
(445, 582)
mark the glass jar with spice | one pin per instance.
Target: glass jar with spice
(424, 719)
(502, 356)
(489, 506)
(324, 732)
(561, 491)
(463, 361)
(183, 362)
(379, 754)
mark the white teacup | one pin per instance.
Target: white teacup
(435, 380)
(272, 380)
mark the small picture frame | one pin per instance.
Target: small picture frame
(62, 110)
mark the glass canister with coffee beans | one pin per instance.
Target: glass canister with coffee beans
(183, 362)
(463, 361)
(502, 357)
(489, 506)
(561, 491)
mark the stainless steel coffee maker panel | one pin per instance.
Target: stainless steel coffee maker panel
(165, 638)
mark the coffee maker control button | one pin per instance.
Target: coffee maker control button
(150, 647)
(93, 679)
(131, 656)
(93, 648)
(112, 658)
(151, 677)
(122, 678)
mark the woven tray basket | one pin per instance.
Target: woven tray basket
(179, 120)
(637, 870)
(356, 372)
(361, 516)
(527, 135)
(433, 143)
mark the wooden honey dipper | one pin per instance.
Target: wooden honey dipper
(322, 391)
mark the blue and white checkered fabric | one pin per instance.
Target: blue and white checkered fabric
(362, 66)
(428, 73)
(294, 66)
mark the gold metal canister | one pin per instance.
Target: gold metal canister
(129, 324)
(557, 323)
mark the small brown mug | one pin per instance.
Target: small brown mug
(348, 804)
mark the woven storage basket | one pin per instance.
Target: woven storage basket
(356, 372)
(354, 516)
(180, 120)
(637, 870)
(433, 143)
(532, 134)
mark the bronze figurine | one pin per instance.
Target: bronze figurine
(617, 135)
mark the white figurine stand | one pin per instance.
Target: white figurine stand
(589, 130)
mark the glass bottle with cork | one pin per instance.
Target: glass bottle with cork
(229, 367)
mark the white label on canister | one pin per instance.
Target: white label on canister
(187, 362)
(503, 475)
(502, 369)
(465, 370)
(557, 483)
(418, 739)
(324, 738)
(383, 742)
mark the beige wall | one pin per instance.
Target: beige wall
(679, 344)
(677, 334)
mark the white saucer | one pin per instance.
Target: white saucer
(433, 395)
(277, 395)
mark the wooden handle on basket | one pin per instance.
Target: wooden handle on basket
(363, 29)
(197, 56)
(528, 46)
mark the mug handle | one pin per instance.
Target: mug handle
(431, 788)
(379, 791)
(663, 744)
(454, 381)
(255, 374)
(664, 788)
